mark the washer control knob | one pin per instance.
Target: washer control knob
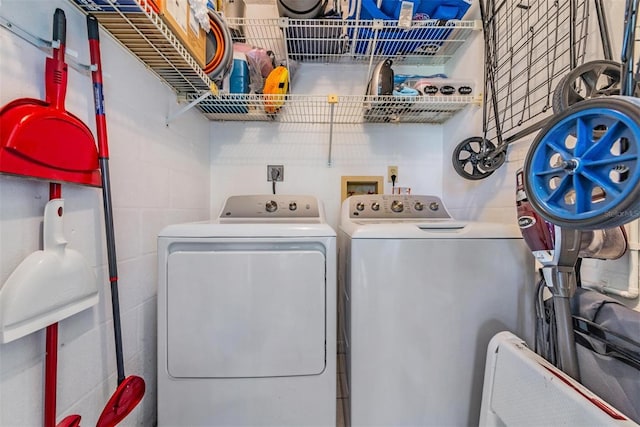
(375, 206)
(360, 206)
(434, 206)
(418, 206)
(271, 206)
(293, 206)
(397, 206)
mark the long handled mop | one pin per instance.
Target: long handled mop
(130, 389)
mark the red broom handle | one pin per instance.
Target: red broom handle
(51, 358)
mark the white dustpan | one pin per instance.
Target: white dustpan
(48, 285)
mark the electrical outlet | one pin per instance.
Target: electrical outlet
(392, 170)
(275, 173)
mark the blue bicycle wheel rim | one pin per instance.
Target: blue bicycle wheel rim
(563, 178)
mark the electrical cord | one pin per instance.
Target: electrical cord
(275, 174)
(393, 184)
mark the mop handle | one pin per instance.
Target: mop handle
(103, 155)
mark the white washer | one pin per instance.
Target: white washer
(421, 296)
(247, 316)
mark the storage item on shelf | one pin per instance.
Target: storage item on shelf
(380, 106)
(260, 63)
(219, 48)
(405, 91)
(437, 84)
(407, 36)
(275, 88)
(231, 101)
(200, 13)
(421, 38)
(239, 79)
(401, 98)
(177, 14)
(381, 81)
(422, 9)
(301, 9)
(233, 9)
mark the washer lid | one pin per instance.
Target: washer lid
(384, 216)
(377, 229)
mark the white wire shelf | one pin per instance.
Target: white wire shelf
(348, 109)
(428, 42)
(149, 39)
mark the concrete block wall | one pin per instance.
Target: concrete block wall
(159, 175)
(240, 153)
(493, 198)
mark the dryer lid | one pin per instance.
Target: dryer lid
(271, 229)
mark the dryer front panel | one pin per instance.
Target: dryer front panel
(246, 312)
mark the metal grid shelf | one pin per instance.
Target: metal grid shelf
(349, 109)
(428, 42)
(152, 42)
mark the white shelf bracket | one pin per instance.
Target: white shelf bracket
(47, 46)
(192, 104)
(332, 100)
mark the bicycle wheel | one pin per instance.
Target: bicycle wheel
(590, 80)
(470, 160)
(582, 169)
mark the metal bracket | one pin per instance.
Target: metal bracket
(332, 100)
(47, 46)
(187, 107)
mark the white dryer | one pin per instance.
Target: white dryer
(421, 296)
(247, 316)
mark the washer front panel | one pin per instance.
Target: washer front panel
(243, 311)
(385, 206)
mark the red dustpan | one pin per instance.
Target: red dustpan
(39, 139)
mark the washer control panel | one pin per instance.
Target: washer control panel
(270, 206)
(394, 206)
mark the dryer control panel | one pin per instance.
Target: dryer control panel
(271, 206)
(386, 206)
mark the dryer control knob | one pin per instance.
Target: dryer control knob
(375, 206)
(418, 206)
(397, 206)
(360, 206)
(434, 206)
(271, 206)
(293, 206)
